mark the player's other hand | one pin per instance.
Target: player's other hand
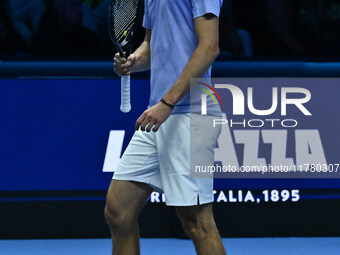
(153, 117)
(123, 66)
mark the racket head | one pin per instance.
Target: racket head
(122, 20)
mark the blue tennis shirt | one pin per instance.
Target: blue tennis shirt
(173, 41)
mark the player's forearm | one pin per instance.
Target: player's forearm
(198, 65)
(142, 57)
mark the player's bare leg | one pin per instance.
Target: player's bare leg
(199, 224)
(124, 201)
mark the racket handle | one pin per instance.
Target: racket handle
(125, 105)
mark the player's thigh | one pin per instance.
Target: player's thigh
(126, 198)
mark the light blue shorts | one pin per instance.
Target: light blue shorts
(162, 159)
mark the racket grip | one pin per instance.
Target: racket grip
(125, 105)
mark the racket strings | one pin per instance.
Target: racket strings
(120, 35)
(120, 29)
(123, 14)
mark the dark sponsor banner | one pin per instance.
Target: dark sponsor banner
(55, 133)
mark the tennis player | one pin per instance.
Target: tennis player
(181, 42)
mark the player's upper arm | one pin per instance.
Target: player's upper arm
(206, 13)
(147, 36)
(202, 7)
(206, 28)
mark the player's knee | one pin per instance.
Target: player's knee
(119, 220)
(197, 227)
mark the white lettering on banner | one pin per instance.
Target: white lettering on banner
(244, 196)
(278, 140)
(251, 140)
(225, 151)
(157, 197)
(113, 150)
(308, 144)
(154, 198)
(309, 148)
(221, 197)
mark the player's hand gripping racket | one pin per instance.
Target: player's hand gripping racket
(122, 18)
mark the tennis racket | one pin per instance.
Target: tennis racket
(122, 19)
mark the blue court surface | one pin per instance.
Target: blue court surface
(235, 246)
